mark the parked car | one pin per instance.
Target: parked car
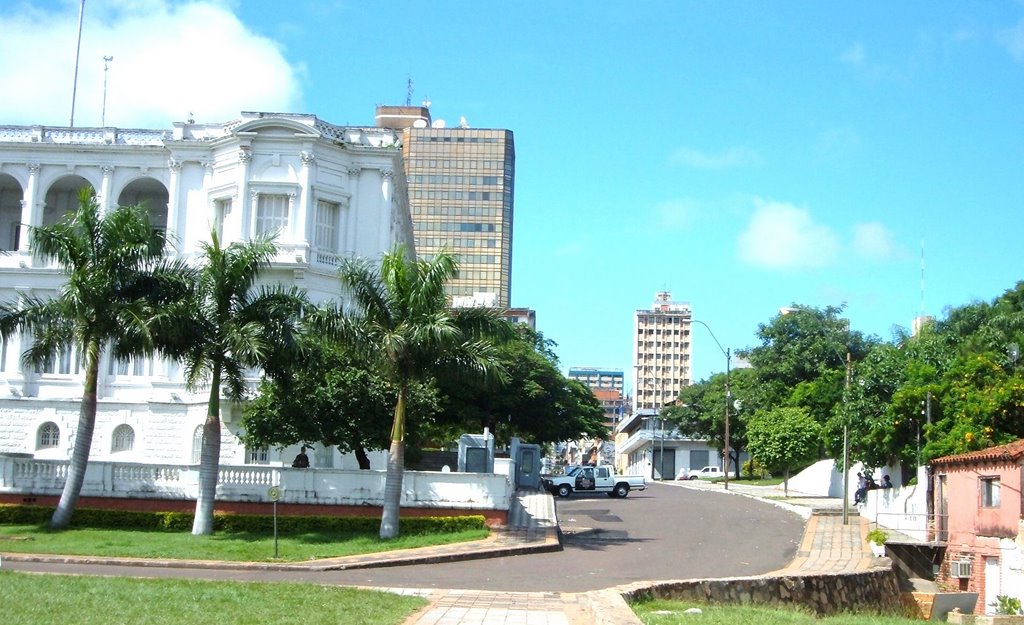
(599, 479)
(708, 473)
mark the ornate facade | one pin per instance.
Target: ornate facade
(330, 192)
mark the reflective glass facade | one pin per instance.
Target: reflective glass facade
(461, 194)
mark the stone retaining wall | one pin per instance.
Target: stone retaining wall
(825, 593)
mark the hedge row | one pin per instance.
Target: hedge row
(237, 523)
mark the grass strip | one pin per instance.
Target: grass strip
(665, 612)
(224, 546)
(74, 600)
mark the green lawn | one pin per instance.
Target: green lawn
(238, 546)
(661, 612)
(73, 600)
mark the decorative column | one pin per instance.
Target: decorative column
(384, 226)
(104, 198)
(31, 213)
(173, 227)
(305, 213)
(351, 216)
(244, 162)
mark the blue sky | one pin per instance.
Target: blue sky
(745, 156)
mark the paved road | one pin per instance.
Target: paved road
(666, 532)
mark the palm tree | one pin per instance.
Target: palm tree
(116, 280)
(404, 326)
(230, 326)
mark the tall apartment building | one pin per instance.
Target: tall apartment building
(461, 195)
(607, 385)
(661, 352)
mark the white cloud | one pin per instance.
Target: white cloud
(854, 55)
(873, 241)
(676, 214)
(169, 59)
(784, 236)
(727, 159)
(1013, 40)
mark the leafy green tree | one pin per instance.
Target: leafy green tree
(982, 405)
(799, 347)
(536, 402)
(230, 325)
(699, 411)
(783, 439)
(404, 327)
(331, 398)
(117, 282)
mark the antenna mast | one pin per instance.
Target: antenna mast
(78, 52)
(106, 66)
(408, 91)
(922, 279)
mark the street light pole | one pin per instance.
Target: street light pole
(846, 443)
(728, 398)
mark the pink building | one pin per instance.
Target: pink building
(980, 517)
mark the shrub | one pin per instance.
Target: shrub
(1005, 604)
(237, 523)
(877, 536)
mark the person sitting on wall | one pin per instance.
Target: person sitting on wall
(301, 460)
(862, 489)
(886, 482)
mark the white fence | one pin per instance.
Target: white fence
(904, 509)
(249, 483)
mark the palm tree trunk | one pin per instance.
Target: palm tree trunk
(83, 443)
(209, 462)
(396, 469)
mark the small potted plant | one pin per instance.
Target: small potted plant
(876, 538)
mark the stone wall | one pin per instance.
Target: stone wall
(875, 589)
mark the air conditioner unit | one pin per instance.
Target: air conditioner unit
(960, 568)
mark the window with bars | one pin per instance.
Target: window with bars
(990, 492)
(325, 238)
(123, 439)
(131, 367)
(259, 455)
(49, 436)
(271, 213)
(66, 362)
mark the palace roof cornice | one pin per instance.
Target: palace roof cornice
(185, 133)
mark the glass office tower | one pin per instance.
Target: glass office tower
(461, 195)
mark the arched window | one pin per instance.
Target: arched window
(123, 439)
(49, 436)
(197, 445)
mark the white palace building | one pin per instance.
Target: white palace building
(332, 192)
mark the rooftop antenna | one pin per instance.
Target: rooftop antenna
(408, 91)
(78, 52)
(106, 67)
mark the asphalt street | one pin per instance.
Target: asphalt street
(665, 532)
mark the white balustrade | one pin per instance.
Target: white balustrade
(420, 489)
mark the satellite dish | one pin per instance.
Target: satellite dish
(438, 124)
(419, 123)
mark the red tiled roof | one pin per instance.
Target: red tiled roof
(1011, 452)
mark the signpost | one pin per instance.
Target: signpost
(274, 493)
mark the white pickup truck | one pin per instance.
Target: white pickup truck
(599, 479)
